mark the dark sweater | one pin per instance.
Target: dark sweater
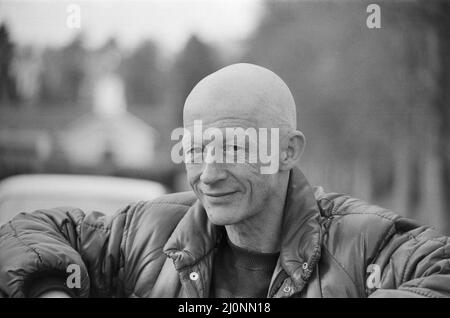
(241, 273)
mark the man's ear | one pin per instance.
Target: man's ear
(293, 150)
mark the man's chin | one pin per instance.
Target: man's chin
(220, 217)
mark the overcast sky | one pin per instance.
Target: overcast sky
(169, 22)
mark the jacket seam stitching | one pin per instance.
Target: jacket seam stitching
(129, 214)
(97, 227)
(391, 232)
(368, 213)
(133, 289)
(427, 293)
(17, 236)
(403, 278)
(104, 228)
(342, 267)
(152, 251)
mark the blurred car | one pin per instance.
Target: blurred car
(26, 193)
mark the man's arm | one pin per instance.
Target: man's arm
(37, 248)
(414, 264)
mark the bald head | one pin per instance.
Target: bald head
(244, 93)
(247, 114)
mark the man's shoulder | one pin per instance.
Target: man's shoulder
(150, 223)
(167, 206)
(160, 214)
(335, 205)
(350, 217)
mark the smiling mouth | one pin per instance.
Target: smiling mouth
(218, 195)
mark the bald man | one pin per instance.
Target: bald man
(241, 232)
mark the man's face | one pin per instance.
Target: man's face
(248, 97)
(229, 192)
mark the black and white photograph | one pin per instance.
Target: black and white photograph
(242, 150)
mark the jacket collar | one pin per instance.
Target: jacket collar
(195, 236)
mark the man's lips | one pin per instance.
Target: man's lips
(218, 194)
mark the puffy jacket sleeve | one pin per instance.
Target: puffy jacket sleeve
(413, 263)
(44, 243)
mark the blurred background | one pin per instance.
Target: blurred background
(96, 87)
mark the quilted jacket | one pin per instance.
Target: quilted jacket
(332, 246)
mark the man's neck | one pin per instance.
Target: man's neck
(261, 232)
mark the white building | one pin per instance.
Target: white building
(110, 135)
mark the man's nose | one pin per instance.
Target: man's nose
(212, 173)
